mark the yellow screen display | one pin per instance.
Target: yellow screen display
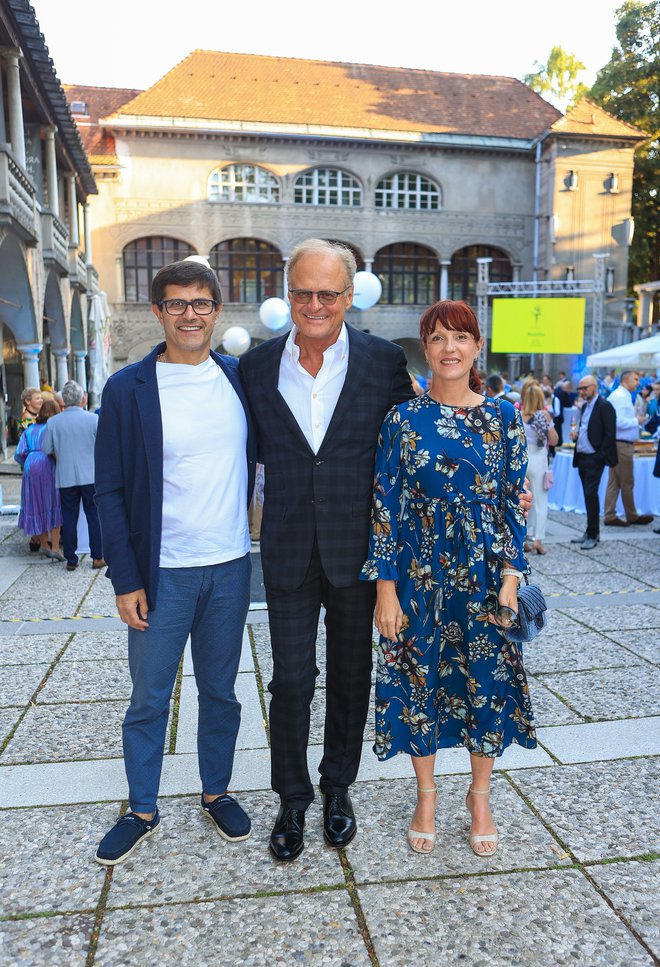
(538, 326)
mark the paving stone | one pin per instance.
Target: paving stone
(18, 682)
(548, 709)
(315, 929)
(634, 889)
(562, 559)
(384, 809)
(48, 591)
(87, 681)
(619, 618)
(53, 733)
(52, 941)
(54, 868)
(8, 719)
(549, 653)
(598, 583)
(95, 646)
(601, 809)
(544, 919)
(644, 643)
(168, 867)
(549, 585)
(560, 624)
(609, 693)
(36, 649)
(595, 741)
(252, 732)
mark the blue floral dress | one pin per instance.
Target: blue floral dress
(451, 678)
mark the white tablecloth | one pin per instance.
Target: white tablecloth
(566, 494)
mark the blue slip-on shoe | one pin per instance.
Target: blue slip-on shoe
(127, 833)
(231, 820)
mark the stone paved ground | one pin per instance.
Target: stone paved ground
(576, 880)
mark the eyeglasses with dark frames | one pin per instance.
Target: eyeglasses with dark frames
(326, 296)
(177, 307)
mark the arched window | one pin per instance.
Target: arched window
(143, 257)
(327, 186)
(405, 189)
(244, 183)
(249, 270)
(409, 273)
(463, 270)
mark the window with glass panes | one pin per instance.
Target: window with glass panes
(249, 270)
(327, 186)
(243, 183)
(405, 189)
(463, 270)
(409, 273)
(143, 257)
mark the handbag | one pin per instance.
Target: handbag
(532, 607)
(548, 479)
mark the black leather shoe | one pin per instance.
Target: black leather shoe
(339, 826)
(578, 540)
(286, 840)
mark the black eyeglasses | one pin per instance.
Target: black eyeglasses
(177, 307)
(326, 296)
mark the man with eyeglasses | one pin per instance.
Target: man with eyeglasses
(595, 449)
(175, 461)
(319, 396)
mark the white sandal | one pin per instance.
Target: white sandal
(414, 834)
(486, 837)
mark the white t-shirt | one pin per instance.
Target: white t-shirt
(204, 466)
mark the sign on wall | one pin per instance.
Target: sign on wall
(538, 325)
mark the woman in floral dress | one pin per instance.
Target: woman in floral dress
(447, 554)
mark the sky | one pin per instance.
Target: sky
(132, 43)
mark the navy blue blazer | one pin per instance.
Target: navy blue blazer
(129, 471)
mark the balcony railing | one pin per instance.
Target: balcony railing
(17, 199)
(55, 241)
(77, 268)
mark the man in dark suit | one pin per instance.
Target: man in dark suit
(595, 448)
(175, 460)
(318, 397)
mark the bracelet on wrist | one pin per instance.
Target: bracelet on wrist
(509, 572)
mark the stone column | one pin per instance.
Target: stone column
(79, 357)
(285, 262)
(516, 271)
(61, 368)
(88, 235)
(51, 172)
(368, 265)
(3, 125)
(74, 236)
(16, 129)
(444, 278)
(30, 353)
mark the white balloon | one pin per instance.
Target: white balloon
(236, 340)
(274, 313)
(367, 290)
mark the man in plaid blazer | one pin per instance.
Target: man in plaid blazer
(318, 397)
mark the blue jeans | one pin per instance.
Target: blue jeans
(70, 498)
(210, 604)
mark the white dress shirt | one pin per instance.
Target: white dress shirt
(627, 424)
(312, 400)
(583, 445)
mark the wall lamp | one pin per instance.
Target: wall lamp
(609, 280)
(572, 181)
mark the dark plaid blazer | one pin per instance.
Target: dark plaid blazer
(326, 496)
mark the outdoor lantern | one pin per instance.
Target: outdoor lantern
(609, 280)
(569, 274)
(572, 181)
(613, 183)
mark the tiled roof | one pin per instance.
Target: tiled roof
(279, 90)
(589, 118)
(98, 142)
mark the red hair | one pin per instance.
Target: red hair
(452, 315)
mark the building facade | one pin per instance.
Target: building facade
(46, 271)
(239, 157)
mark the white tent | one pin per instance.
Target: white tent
(99, 347)
(644, 353)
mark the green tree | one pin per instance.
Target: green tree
(628, 87)
(558, 80)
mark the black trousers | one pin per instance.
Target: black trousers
(590, 469)
(293, 618)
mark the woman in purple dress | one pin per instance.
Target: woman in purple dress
(40, 514)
